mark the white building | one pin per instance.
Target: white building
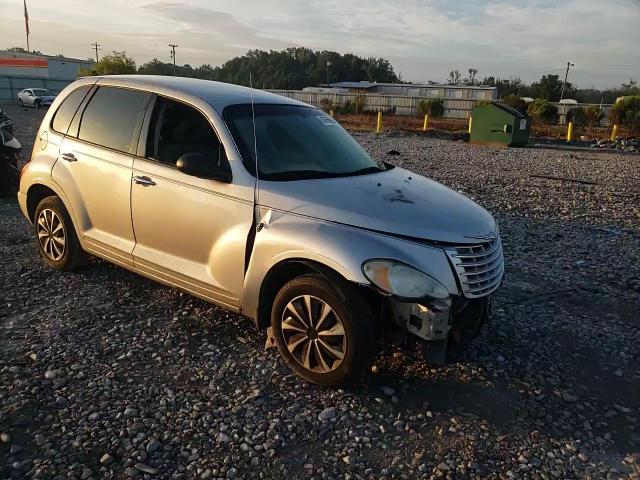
(458, 92)
(19, 71)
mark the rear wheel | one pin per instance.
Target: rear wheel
(58, 244)
(36, 104)
(322, 338)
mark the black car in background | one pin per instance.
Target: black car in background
(5, 121)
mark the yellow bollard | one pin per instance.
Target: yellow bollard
(570, 132)
(332, 113)
(379, 123)
(426, 123)
(614, 133)
(470, 123)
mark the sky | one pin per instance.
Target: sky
(423, 39)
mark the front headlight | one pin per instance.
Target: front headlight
(402, 280)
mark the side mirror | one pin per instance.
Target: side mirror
(202, 166)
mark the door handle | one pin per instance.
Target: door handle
(69, 157)
(142, 180)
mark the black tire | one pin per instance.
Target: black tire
(9, 178)
(355, 317)
(21, 102)
(36, 104)
(72, 254)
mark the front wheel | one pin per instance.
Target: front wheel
(21, 102)
(322, 338)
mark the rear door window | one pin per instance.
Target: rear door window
(112, 116)
(67, 110)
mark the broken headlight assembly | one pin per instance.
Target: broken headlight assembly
(402, 280)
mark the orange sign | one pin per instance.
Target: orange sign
(24, 62)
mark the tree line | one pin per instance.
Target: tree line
(292, 68)
(549, 87)
(297, 67)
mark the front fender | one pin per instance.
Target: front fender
(342, 248)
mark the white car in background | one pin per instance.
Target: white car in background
(36, 98)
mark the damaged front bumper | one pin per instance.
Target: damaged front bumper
(446, 326)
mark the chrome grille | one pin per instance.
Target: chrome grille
(479, 267)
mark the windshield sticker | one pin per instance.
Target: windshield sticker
(326, 120)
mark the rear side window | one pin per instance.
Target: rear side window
(67, 110)
(111, 117)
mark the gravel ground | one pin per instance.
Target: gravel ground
(105, 374)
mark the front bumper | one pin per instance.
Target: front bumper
(446, 326)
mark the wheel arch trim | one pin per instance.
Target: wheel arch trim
(285, 269)
(38, 183)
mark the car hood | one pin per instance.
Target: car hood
(395, 201)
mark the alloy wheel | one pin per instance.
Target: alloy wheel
(314, 334)
(51, 234)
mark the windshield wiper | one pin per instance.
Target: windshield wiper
(364, 171)
(299, 175)
(311, 174)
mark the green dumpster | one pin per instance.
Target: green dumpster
(498, 124)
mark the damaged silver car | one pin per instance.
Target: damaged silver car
(267, 207)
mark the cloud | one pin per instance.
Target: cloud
(204, 22)
(424, 39)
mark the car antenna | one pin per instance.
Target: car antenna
(256, 190)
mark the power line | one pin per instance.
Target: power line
(173, 56)
(96, 45)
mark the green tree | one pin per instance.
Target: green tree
(593, 115)
(577, 116)
(24, 51)
(543, 111)
(433, 107)
(296, 68)
(549, 87)
(115, 63)
(630, 88)
(471, 80)
(454, 77)
(206, 72)
(505, 87)
(156, 67)
(514, 101)
(626, 111)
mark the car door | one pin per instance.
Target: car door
(190, 232)
(27, 98)
(94, 169)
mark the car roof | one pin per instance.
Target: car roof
(217, 94)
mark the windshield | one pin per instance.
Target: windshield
(40, 91)
(296, 142)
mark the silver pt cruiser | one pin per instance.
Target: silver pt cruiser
(265, 206)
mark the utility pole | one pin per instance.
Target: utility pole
(329, 63)
(96, 45)
(173, 56)
(566, 74)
